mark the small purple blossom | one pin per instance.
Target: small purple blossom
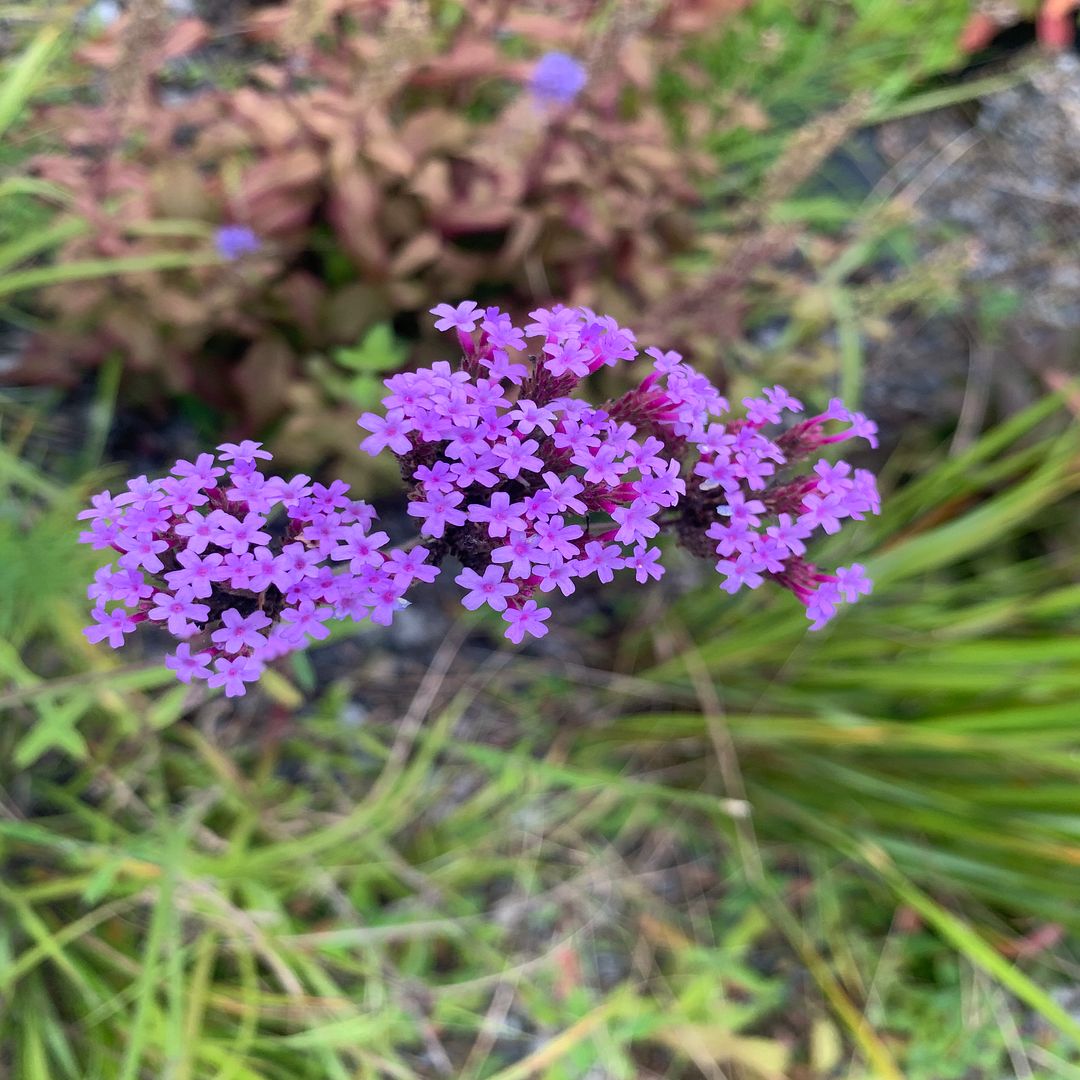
(110, 626)
(188, 666)
(463, 317)
(178, 612)
(234, 241)
(240, 632)
(234, 673)
(527, 619)
(557, 79)
(486, 588)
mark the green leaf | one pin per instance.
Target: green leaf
(55, 730)
(379, 352)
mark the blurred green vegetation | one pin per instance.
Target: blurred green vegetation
(741, 848)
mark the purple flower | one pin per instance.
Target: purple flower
(463, 317)
(295, 563)
(307, 619)
(823, 512)
(635, 522)
(197, 573)
(501, 516)
(557, 79)
(111, 625)
(405, 567)
(233, 241)
(852, 582)
(601, 559)
(240, 632)
(740, 511)
(186, 666)
(557, 574)
(744, 570)
(235, 534)
(521, 553)
(530, 416)
(438, 511)
(487, 588)
(527, 619)
(142, 551)
(645, 564)
(554, 535)
(790, 534)
(103, 505)
(517, 456)
(389, 430)
(360, 547)
(234, 673)
(178, 612)
(564, 492)
(248, 450)
(202, 470)
(517, 491)
(164, 526)
(822, 604)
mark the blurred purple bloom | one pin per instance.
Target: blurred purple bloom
(557, 79)
(234, 241)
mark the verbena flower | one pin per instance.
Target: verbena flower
(252, 573)
(534, 489)
(557, 79)
(529, 487)
(235, 241)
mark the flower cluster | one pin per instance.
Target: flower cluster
(238, 566)
(533, 489)
(530, 488)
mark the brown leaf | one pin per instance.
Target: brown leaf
(637, 62)
(422, 249)
(434, 131)
(541, 29)
(351, 210)
(133, 332)
(432, 183)
(183, 37)
(303, 295)
(353, 310)
(178, 308)
(382, 146)
(278, 172)
(324, 112)
(262, 378)
(468, 60)
(522, 239)
(271, 119)
(180, 190)
(104, 51)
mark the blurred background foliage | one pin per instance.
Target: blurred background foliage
(692, 840)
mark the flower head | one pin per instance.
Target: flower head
(238, 571)
(557, 79)
(234, 241)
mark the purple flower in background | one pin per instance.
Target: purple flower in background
(234, 241)
(557, 79)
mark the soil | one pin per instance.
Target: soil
(1005, 170)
